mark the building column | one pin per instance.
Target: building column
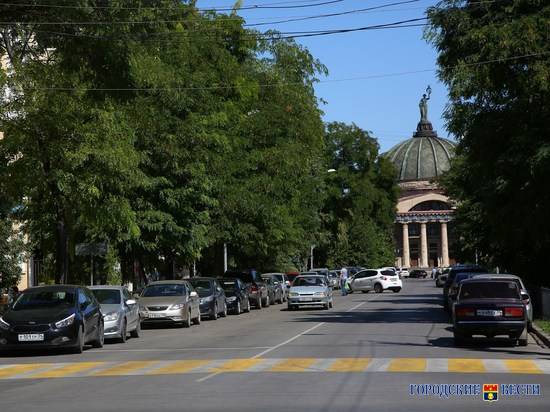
(423, 245)
(406, 251)
(444, 245)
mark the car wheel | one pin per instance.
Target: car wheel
(396, 290)
(267, 301)
(259, 303)
(247, 309)
(137, 331)
(378, 288)
(214, 313)
(238, 308)
(365, 291)
(123, 331)
(187, 322)
(197, 320)
(458, 338)
(290, 307)
(79, 346)
(224, 311)
(326, 306)
(100, 338)
(331, 304)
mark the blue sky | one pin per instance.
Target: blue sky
(387, 106)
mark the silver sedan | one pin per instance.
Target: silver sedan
(310, 290)
(120, 312)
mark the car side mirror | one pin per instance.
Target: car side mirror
(193, 294)
(525, 298)
(131, 302)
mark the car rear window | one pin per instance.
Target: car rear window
(203, 287)
(388, 273)
(164, 290)
(489, 290)
(107, 296)
(316, 281)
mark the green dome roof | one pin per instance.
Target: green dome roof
(421, 157)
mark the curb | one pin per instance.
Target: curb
(541, 335)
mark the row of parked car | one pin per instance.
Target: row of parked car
(485, 304)
(73, 316)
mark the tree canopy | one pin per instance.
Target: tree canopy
(495, 59)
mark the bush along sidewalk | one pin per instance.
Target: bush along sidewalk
(541, 328)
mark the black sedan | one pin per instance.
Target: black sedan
(489, 308)
(212, 297)
(418, 273)
(52, 317)
(236, 295)
(258, 291)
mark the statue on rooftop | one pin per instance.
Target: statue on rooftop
(424, 105)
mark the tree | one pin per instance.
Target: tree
(495, 59)
(361, 201)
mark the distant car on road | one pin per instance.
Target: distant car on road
(490, 308)
(441, 277)
(236, 295)
(258, 293)
(58, 316)
(377, 280)
(212, 297)
(454, 270)
(277, 285)
(170, 301)
(310, 290)
(418, 273)
(120, 312)
(403, 272)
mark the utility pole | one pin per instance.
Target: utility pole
(311, 256)
(224, 257)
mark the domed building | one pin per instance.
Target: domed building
(423, 210)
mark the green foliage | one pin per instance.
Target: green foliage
(495, 59)
(362, 196)
(12, 253)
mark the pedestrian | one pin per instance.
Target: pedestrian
(343, 281)
(434, 272)
(12, 295)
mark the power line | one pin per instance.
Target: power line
(268, 6)
(225, 87)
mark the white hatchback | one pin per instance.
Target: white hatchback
(378, 280)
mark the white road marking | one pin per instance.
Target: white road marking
(175, 349)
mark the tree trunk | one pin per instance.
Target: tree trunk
(62, 248)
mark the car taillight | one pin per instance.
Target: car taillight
(253, 288)
(513, 312)
(384, 278)
(465, 312)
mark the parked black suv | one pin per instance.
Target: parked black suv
(258, 295)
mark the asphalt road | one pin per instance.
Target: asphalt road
(362, 355)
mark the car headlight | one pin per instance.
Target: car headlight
(231, 298)
(65, 322)
(320, 294)
(111, 316)
(4, 325)
(294, 294)
(177, 306)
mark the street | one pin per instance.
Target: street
(361, 355)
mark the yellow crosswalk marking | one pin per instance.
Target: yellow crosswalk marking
(67, 370)
(238, 365)
(125, 368)
(178, 367)
(522, 366)
(407, 365)
(349, 365)
(466, 365)
(293, 365)
(14, 370)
